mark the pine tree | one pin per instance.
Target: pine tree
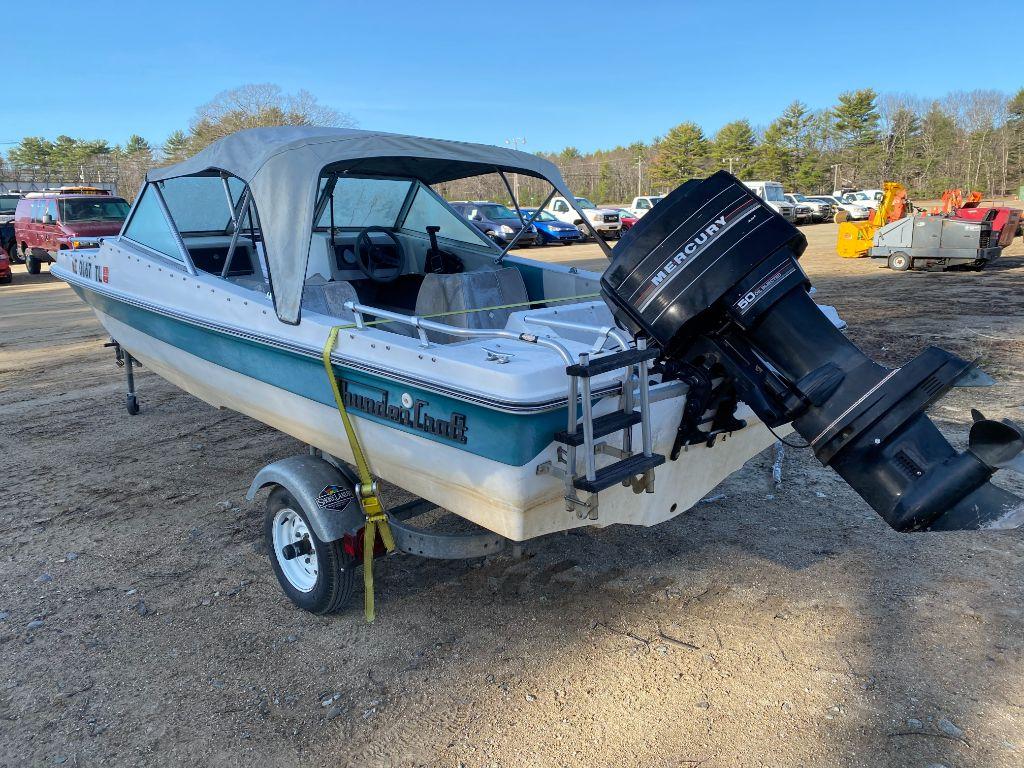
(1015, 127)
(136, 145)
(793, 126)
(776, 159)
(856, 121)
(681, 155)
(176, 147)
(735, 141)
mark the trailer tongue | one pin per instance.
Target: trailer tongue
(711, 275)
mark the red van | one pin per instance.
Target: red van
(70, 217)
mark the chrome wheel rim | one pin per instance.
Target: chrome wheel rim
(289, 528)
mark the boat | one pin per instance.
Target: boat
(525, 397)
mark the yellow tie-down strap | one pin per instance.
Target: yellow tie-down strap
(366, 491)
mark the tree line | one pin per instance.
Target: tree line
(973, 140)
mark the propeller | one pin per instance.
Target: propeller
(997, 444)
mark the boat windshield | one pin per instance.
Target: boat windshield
(356, 203)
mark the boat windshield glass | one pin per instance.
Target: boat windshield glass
(380, 202)
(362, 203)
(427, 209)
(198, 203)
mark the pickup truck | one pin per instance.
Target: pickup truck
(771, 193)
(604, 220)
(643, 204)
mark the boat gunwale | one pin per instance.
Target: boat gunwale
(308, 351)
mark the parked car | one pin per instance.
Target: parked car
(48, 222)
(853, 212)
(820, 210)
(496, 221)
(771, 192)
(865, 198)
(643, 204)
(8, 204)
(627, 217)
(604, 220)
(802, 210)
(550, 229)
(5, 267)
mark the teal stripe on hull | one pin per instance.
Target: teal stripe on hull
(508, 438)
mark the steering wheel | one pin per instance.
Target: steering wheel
(377, 263)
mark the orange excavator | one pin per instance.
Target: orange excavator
(855, 237)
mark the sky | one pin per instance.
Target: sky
(588, 74)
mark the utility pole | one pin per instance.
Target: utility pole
(515, 143)
(731, 160)
(835, 177)
(639, 174)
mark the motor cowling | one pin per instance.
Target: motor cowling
(712, 275)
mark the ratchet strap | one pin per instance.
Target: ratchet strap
(366, 490)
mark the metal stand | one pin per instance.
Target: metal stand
(126, 361)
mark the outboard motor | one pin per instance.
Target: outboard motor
(711, 275)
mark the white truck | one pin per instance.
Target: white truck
(643, 204)
(772, 193)
(604, 220)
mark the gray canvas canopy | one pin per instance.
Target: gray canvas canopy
(282, 167)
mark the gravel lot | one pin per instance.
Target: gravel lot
(140, 623)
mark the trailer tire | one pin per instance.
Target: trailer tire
(899, 261)
(32, 265)
(318, 580)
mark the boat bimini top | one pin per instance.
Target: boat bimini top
(284, 170)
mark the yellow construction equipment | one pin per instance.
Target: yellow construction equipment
(855, 237)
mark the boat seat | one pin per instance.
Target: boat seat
(328, 298)
(471, 291)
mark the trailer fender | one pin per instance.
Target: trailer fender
(324, 492)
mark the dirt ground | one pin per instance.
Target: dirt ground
(140, 623)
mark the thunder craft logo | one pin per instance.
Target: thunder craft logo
(416, 416)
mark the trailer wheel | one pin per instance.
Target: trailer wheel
(899, 262)
(315, 575)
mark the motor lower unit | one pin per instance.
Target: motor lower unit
(712, 275)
